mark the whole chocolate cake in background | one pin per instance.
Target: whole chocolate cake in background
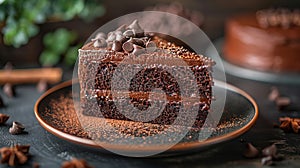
(268, 40)
(99, 58)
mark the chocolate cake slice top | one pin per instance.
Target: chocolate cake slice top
(132, 40)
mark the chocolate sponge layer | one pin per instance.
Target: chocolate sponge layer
(96, 69)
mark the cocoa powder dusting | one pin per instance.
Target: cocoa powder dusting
(63, 117)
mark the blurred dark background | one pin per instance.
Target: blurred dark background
(215, 13)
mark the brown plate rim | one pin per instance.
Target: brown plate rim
(176, 148)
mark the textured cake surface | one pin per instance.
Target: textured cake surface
(97, 66)
(250, 44)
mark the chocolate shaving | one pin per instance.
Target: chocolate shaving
(16, 155)
(76, 163)
(3, 118)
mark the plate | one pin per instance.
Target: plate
(240, 113)
(272, 77)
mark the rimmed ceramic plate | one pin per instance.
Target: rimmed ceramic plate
(240, 113)
(285, 78)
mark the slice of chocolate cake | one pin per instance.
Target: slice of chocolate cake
(99, 58)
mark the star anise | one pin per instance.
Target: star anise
(76, 163)
(15, 155)
(288, 124)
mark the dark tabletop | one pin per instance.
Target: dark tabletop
(50, 151)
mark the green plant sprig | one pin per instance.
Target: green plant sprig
(20, 18)
(58, 44)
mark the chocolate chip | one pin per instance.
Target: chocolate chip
(116, 46)
(122, 28)
(42, 86)
(270, 150)
(136, 28)
(137, 50)
(251, 151)
(127, 46)
(3, 118)
(137, 41)
(274, 94)
(267, 161)
(149, 34)
(99, 35)
(17, 128)
(8, 66)
(109, 45)
(111, 36)
(9, 90)
(151, 46)
(120, 37)
(128, 33)
(100, 42)
(138, 33)
(282, 102)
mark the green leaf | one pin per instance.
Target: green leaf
(71, 55)
(20, 38)
(1, 1)
(67, 9)
(21, 19)
(48, 58)
(32, 30)
(91, 11)
(59, 41)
